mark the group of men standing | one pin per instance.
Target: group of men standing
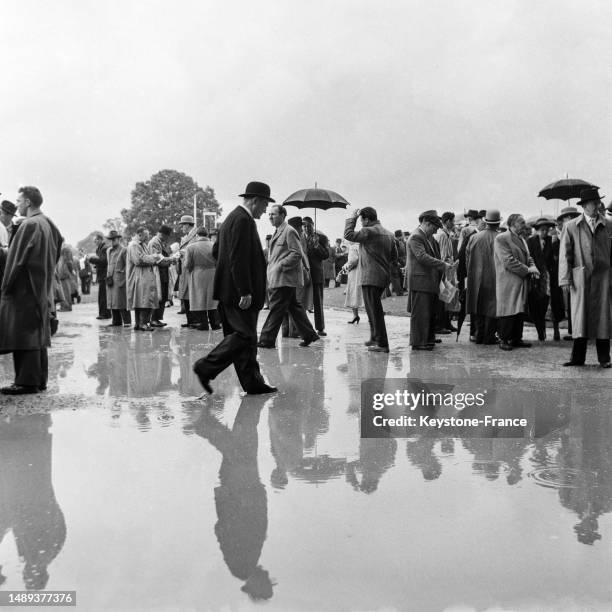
(512, 274)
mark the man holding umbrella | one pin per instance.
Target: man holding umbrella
(317, 250)
(567, 214)
(584, 273)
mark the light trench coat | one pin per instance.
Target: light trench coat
(199, 268)
(512, 261)
(116, 296)
(584, 263)
(141, 282)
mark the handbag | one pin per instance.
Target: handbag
(447, 291)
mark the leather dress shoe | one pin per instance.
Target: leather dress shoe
(101, 318)
(262, 344)
(437, 341)
(158, 324)
(443, 332)
(204, 380)
(521, 344)
(322, 333)
(186, 324)
(370, 343)
(568, 338)
(261, 390)
(472, 338)
(504, 346)
(568, 364)
(18, 389)
(605, 365)
(114, 325)
(309, 340)
(422, 347)
(378, 349)
(138, 328)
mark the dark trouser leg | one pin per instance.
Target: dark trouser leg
(126, 317)
(396, 282)
(317, 303)
(278, 299)
(299, 317)
(137, 317)
(200, 318)
(539, 316)
(579, 349)
(145, 314)
(519, 320)
(31, 368)
(116, 314)
(490, 327)
(603, 350)
(421, 318)
(213, 318)
(158, 313)
(373, 305)
(190, 318)
(239, 346)
(505, 328)
(102, 308)
(479, 331)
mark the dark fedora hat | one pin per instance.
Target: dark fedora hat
(257, 189)
(471, 213)
(431, 216)
(589, 195)
(568, 211)
(8, 207)
(113, 234)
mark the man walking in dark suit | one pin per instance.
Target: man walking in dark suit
(240, 285)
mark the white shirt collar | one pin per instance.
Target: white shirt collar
(245, 208)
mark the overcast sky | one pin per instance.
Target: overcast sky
(403, 106)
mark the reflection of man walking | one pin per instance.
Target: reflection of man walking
(240, 285)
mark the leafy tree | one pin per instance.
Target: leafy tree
(116, 223)
(87, 244)
(164, 199)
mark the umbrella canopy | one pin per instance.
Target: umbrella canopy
(322, 199)
(565, 189)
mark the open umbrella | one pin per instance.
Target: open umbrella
(565, 189)
(322, 199)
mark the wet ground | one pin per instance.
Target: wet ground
(122, 485)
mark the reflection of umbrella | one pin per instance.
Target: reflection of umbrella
(322, 199)
(565, 189)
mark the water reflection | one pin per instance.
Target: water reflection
(27, 501)
(240, 499)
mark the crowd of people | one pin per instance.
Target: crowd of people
(499, 272)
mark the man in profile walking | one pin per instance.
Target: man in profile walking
(240, 285)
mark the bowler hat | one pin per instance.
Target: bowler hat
(492, 216)
(257, 189)
(471, 213)
(113, 234)
(544, 221)
(8, 207)
(187, 219)
(568, 211)
(589, 195)
(308, 220)
(431, 216)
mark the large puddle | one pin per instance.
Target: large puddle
(146, 498)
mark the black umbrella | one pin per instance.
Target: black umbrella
(322, 199)
(565, 189)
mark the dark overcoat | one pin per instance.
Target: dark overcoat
(480, 264)
(27, 285)
(584, 262)
(241, 266)
(425, 268)
(317, 250)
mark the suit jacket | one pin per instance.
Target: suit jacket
(377, 251)
(543, 259)
(425, 268)
(241, 267)
(512, 261)
(285, 259)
